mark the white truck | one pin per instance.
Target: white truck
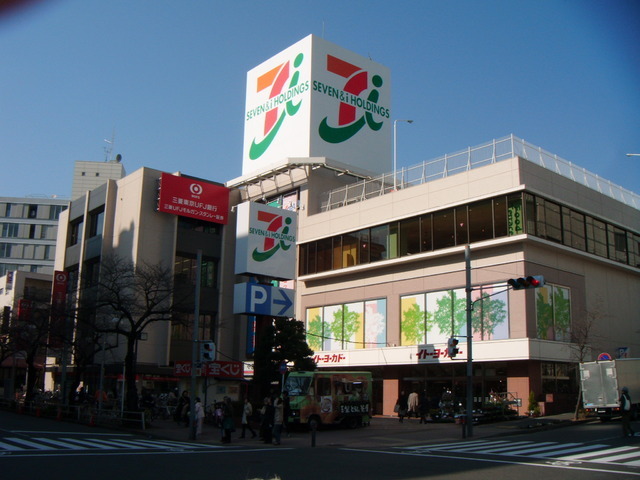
(602, 382)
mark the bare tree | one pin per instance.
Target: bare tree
(128, 298)
(584, 340)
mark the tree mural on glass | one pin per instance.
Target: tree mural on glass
(544, 313)
(350, 325)
(562, 314)
(451, 308)
(314, 332)
(413, 325)
(335, 327)
(487, 314)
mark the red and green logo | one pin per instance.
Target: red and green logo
(352, 101)
(276, 235)
(282, 84)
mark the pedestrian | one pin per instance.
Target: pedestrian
(424, 408)
(266, 421)
(413, 404)
(278, 420)
(401, 406)
(247, 414)
(199, 409)
(625, 408)
(227, 420)
(286, 402)
(181, 413)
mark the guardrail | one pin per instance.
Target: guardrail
(85, 413)
(469, 159)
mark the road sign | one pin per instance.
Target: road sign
(258, 299)
(604, 356)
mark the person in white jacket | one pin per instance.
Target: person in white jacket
(199, 416)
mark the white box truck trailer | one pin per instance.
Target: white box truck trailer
(602, 382)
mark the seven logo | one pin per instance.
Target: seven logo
(350, 100)
(276, 78)
(273, 241)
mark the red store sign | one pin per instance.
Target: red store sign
(188, 197)
(212, 369)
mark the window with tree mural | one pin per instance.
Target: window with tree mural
(347, 326)
(435, 316)
(553, 313)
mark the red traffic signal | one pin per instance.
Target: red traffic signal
(532, 281)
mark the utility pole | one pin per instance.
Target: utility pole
(467, 261)
(194, 349)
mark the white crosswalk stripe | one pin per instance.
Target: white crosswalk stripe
(68, 444)
(594, 452)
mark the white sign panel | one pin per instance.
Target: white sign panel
(316, 99)
(266, 241)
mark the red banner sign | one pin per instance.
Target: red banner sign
(193, 198)
(212, 369)
(58, 304)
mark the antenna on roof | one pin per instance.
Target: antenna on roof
(109, 148)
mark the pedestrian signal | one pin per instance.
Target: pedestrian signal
(207, 351)
(452, 347)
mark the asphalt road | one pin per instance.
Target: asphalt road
(33, 448)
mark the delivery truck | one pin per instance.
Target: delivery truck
(602, 382)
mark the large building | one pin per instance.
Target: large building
(125, 219)
(382, 270)
(384, 260)
(28, 231)
(88, 175)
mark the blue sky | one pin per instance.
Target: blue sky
(166, 79)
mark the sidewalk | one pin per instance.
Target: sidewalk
(383, 431)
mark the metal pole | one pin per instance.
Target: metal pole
(467, 260)
(395, 151)
(194, 348)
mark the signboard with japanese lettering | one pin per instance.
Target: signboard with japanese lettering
(218, 369)
(193, 198)
(266, 241)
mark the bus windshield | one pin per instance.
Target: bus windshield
(297, 385)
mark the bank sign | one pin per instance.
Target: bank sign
(266, 241)
(316, 99)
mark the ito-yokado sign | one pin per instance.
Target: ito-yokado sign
(316, 99)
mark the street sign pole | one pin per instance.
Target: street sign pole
(467, 261)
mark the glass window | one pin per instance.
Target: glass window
(337, 253)
(462, 225)
(413, 320)
(379, 239)
(553, 313)
(426, 229)
(409, 236)
(349, 250)
(75, 231)
(363, 247)
(596, 237)
(480, 221)
(443, 229)
(96, 222)
(323, 255)
(617, 244)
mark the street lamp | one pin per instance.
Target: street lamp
(395, 148)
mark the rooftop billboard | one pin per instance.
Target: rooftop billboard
(316, 99)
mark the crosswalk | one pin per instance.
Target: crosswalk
(566, 452)
(22, 444)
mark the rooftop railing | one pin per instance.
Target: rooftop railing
(469, 159)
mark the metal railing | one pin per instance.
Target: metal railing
(469, 159)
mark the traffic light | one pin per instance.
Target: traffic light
(532, 281)
(207, 351)
(452, 347)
